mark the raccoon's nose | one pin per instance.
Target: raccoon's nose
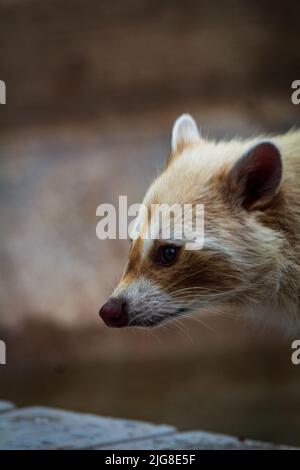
(114, 313)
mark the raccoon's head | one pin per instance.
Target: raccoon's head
(236, 264)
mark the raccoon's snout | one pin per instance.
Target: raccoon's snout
(114, 313)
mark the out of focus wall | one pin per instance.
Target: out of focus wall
(92, 91)
(65, 60)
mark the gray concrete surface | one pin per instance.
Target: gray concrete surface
(47, 428)
(6, 406)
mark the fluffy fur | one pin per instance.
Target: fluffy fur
(250, 261)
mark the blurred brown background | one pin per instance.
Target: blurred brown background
(92, 91)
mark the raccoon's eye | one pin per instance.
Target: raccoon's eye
(168, 254)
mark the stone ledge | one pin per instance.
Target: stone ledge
(195, 440)
(6, 406)
(49, 428)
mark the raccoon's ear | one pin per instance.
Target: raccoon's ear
(255, 178)
(185, 131)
